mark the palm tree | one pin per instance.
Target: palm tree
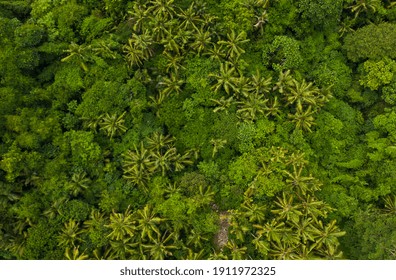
(79, 53)
(273, 108)
(285, 80)
(173, 62)
(278, 154)
(159, 248)
(233, 44)
(261, 20)
(252, 106)
(216, 52)
(215, 255)
(286, 209)
(204, 197)
(217, 145)
(180, 161)
(162, 8)
(171, 85)
(143, 42)
(346, 26)
(92, 123)
(157, 141)
(96, 220)
(160, 27)
(79, 182)
(297, 159)
(223, 104)
(163, 161)
(237, 253)
(202, 40)
(303, 119)
(330, 253)
(304, 229)
(189, 18)
(314, 208)
(156, 103)
(183, 37)
(191, 255)
(196, 239)
(103, 49)
(147, 222)
(324, 96)
(75, 254)
(138, 177)
(364, 5)
(255, 4)
(171, 43)
(304, 252)
(283, 251)
(113, 124)
(254, 212)
(21, 225)
(298, 182)
(134, 56)
(104, 253)
(138, 159)
(70, 234)
(301, 93)
(272, 230)
(171, 189)
(123, 249)
(122, 225)
(138, 16)
(260, 245)
(260, 84)
(238, 228)
(17, 243)
(327, 235)
(55, 209)
(390, 204)
(225, 79)
(242, 87)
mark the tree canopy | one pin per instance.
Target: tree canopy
(180, 129)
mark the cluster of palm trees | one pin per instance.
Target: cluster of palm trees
(159, 26)
(157, 154)
(293, 226)
(83, 55)
(257, 96)
(140, 234)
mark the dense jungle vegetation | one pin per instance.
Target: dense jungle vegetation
(217, 129)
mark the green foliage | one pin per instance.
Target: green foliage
(242, 170)
(29, 35)
(236, 15)
(41, 242)
(285, 52)
(377, 74)
(84, 153)
(389, 93)
(376, 231)
(93, 26)
(372, 41)
(334, 72)
(323, 14)
(75, 210)
(104, 97)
